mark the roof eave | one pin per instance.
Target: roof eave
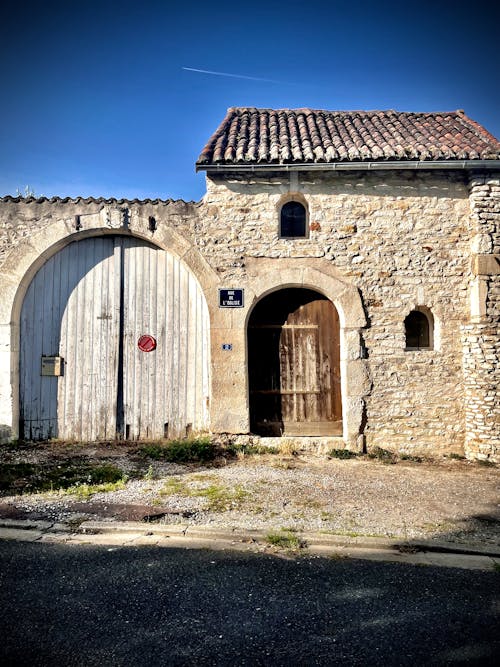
(352, 166)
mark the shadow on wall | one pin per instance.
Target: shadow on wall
(454, 185)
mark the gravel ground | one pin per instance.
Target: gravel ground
(449, 500)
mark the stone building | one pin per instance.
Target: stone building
(339, 279)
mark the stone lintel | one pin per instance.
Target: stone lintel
(486, 265)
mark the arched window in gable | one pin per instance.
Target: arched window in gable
(419, 330)
(293, 220)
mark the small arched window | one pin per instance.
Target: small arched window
(419, 331)
(293, 219)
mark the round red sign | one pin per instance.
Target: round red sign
(146, 343)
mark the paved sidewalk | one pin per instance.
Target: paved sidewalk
(135, 534)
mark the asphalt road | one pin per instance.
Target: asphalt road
(88, 605)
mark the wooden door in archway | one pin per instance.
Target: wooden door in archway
(294, 365)
(85, 311)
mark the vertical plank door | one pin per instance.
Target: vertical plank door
(88, 305)
(165, 391)
(70, 311)
(294, 365)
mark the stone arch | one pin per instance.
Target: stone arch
(271, 275)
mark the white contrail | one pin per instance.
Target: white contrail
(233, 76)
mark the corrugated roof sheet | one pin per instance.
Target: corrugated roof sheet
(287, 136)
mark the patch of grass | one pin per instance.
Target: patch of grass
(15, 474)
(285, 540)
(174, 487)
(496, 566)
(197, 450)
(30, 478)
(383, 455)
(341, 454)
(203, 477)
(486, 462)
(455, 456)
(84, 491)
(221, 499)
(411, 457)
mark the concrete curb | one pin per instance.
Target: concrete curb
(127, 531)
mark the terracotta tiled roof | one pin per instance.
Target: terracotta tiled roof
(302, 136)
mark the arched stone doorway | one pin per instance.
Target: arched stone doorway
(294, 365)
(82, 374)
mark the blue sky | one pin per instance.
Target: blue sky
(96, 100)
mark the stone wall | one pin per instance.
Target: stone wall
(404, 241)
(400, 241)
(482, 334)
(20, 218)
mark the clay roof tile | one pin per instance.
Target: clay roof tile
(287, 136)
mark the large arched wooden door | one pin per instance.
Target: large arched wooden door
(294, 365)
(82, 373)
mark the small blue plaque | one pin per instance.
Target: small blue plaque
(227, 346)
(230, 298)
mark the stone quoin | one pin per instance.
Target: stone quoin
(340, 278)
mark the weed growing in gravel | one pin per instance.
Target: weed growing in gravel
(30, 478)
(149, 474)
(285, 540)
(454, 456)
(411, 457)
(496, 566)
(287, 448)
(383, 455)
(342, 454)
(84, 491)
(197, 450)
(174, 487)
(219, 498)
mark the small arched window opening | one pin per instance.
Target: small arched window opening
(419, 330)
(293, 220)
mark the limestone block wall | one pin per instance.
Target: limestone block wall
(482, 334)
(387, 242)
(404, 241)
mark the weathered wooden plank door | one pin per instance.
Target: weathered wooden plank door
(88, 305)
(71, 311)
(294, 365)
(165, 391)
